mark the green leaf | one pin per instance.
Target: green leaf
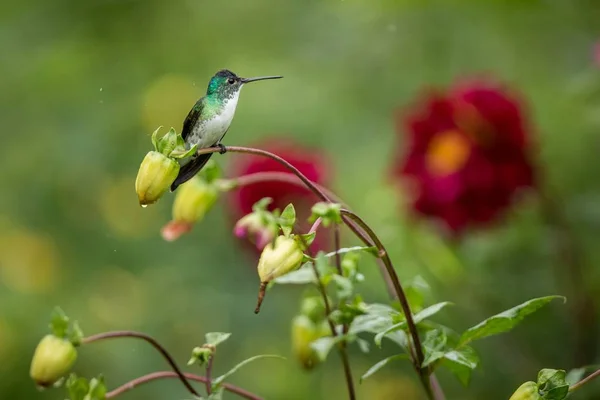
(434, 346)
(181, 152)
(216, 394)
(367, 249)
(262, 204)
(382, 364)
(363, 345)
(76, 334)
(216, 338)
(325, 269)
(552, 384)
(306, 239)
(168, 142)
(344, 286)
(59, 323)
(330, 213)
(233, 370)
(415, 291)
(419, 317)
(323, 346)
(97, 389)
(377, 318)
(461, 363)
(287, 219)
(155, 138)
(301, 276)
(506, 320)
(77, 387)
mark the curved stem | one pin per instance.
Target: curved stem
(208, 373)
(315, 226)
(248, 150)
(345, 327)
(170, 374)
(153, 342)
(342, 348)
(585, 380)
(412, 327)
(258, 177)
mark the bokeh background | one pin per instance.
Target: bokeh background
(83, 85)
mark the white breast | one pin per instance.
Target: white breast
(212, 131)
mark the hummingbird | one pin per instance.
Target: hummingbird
(209, 119)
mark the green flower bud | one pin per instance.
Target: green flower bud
(527, 391)
(155, 175)
(304, 332)
(193, 200)
(314, 308)
(280, 259)
(52, 359)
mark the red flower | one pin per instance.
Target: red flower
(309, 161)
(466, 155)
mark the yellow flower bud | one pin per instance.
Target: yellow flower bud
(280, 259)
(52, 359)
(155, 175)
(304, 332)
(527, 391)
(193, 199)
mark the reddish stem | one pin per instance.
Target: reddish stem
(153, 342)
(170, 374)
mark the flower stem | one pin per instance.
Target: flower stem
(153, 342)
(585, 380)
(342, 347)
(170, 374)
(257, 177)
(412, 327)
(208, 372)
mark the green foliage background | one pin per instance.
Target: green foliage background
(83, 85)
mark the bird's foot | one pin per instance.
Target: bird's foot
(223, 148)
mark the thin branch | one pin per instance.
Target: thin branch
(338, 264)
(258, 177)
(248, 150)
(342, 349)
(412, 327)
(585, 380)
(208, 372)
(315, 226)
(153, 342)
(170, 374)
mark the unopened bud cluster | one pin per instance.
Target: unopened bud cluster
(160, 167)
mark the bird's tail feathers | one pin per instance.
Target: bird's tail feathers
(189, 170)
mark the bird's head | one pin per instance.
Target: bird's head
(226, 84)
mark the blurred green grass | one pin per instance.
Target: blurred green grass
(84, 84)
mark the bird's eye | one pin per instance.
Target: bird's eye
(231, 81)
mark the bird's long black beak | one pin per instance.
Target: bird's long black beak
(260, 78)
